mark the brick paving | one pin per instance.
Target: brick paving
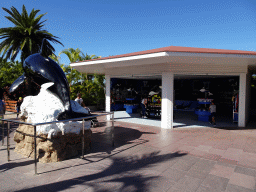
(145, 158)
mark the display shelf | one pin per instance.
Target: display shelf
(204, 101)
(130, 99)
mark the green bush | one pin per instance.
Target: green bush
(91, 87)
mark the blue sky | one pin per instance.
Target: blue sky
(117, 27)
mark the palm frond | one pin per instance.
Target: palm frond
(37, 19)
(23, 43)
(12, 20)
(24, 12)
(11, 13)
(26, 36)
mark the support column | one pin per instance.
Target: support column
(242, 109)
(107, 99)
(167, 100)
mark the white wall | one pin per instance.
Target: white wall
(243, 100)
(167, 100)
(248, 96)
(108, 105)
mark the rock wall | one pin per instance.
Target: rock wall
(58, 148)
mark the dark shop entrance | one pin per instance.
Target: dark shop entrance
(192, 95)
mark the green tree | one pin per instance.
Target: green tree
(91, 87)
(9, 72)
(73, 76)
(55, 58)
(26, 36)
(89, 57)
(73, 55)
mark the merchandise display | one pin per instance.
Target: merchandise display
(190, 95)
(153, 108)
(203, 111)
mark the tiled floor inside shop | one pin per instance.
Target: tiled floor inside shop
(145, 158)
(182, 119)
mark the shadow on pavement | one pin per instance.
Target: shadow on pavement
(13, 127)
(102, 148)
(119, 172)
(102, 139)
(11, 165)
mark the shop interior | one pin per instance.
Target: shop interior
(192, 97)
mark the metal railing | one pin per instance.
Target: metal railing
(2, 118)
(103, 113)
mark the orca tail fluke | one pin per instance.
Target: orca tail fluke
(71, 115)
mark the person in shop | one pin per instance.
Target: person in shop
(19, 102)
(79, 100)
(212, 117)
(143, 105)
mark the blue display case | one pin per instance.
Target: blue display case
(131, 108)
(203, 115)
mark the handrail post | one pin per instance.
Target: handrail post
(2, 132)
(8, 144)
(113, 144)
(83, 141)
(35, 150)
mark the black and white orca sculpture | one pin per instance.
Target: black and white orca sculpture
(39, 70)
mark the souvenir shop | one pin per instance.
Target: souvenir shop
(188, 79)
(190, 94)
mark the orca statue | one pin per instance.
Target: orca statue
(39, 70)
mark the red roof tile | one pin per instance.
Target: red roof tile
(180, 49)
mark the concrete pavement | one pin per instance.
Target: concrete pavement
(145, 158)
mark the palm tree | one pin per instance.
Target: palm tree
(55, 58)
(73, 55)
(89, 57)
(26, 36)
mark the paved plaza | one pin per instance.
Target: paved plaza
(145, 158)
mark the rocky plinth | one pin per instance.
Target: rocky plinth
(55, 142)
(59, 147)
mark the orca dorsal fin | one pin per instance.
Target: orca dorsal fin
(41, 50)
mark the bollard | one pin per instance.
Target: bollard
(2, 133)
(113, 143)
(83, 141)
(35, 150)
(8, 144)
